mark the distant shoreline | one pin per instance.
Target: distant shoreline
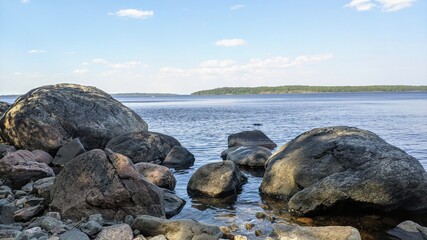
(299, 89)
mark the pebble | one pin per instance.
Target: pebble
(260, 215)
(249, 226)
(258, 233)
(305, 220)
(91, 228)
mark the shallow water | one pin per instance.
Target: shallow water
(203, 123)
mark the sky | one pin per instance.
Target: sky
(158, 46)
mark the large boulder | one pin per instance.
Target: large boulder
(107, 183)
(345, 166)
(249, 156)
(175, 229)
(161, 176)
(5, 149)
(21, 167)
(250, 138)
(4, 106)
(283, 231)
(143, 146)
(179, 157)
(216, 179)
(48, 117)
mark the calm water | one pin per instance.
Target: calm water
(202, 124)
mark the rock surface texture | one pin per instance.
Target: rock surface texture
(4, 106)
(105, 183)
(216, 179)
(175, 229)
(48, 117)
(143, 146)
(161, 176)
(179, 157)
(282, 231)
(345, 166)
(250, 138)
(67, 152)
(249, 156)
(409, 230)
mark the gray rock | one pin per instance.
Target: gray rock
(159, 237)
(216, 179)
(97, 218)
(129, 219)
(120, 231)
(143, 146)
(5, 149)
(20, 167)
(4, 106)
(54, 115)
(34, 201)
(74, 234)
(105, 183)
(43, 187)
(20, 193)
(226, 151)
(409, 230)
(4, 202)
(32, 233)
(50, 223)
(42, 156)
(91, 227)
(175, 229)
(250, 138)
(25, 214)
(139, 237)
(325, 166)
(6, 234)
(282, 231)
(67, 152)
(28, 187)
(173, 203)
(5, 193)
(7, 212)
(161, 176)
(179, 157)
(249, 156)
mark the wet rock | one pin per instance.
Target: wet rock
(67, 152)
(227, 151)
(5, 149)
(42, 157)
(43, 186)
(156, 174)
(74, 234)
(175, 229)
(249, 156)
(119, 231)
(26, 214)
(91, 227)
(173, 203)
(347, 166)
(32, 233)
(105, 183)
(283, 231)
(409, 230)
(216, 179)
(143, 146)
(7, 212)
(250, 138)
(179, 157)
(20, 167)
(48, 117)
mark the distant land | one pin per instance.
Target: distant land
(142, 94)
(309, 89)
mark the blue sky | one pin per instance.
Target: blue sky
(185, 46)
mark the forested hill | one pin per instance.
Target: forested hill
(310, 89)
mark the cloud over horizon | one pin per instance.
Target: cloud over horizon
(234, 42)
(385, 5)
(133, 13)
(237, 6)
(36, 51)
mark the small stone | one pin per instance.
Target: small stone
(25, 214)
(35, 201)
(260, 215)
(53, 237)
(50, 223)
(129, 219)
(4, 202)
(258, 233)
(240, 237)
(91, 228)
(32, 233)
(28, 187)
(74, 234)
(249, 226)
(139, 237)
(97, 218)
(6, 213)
(43, 186)
(20, 193)
(54, 215)
(10, 198)
(120, 231)
(42, 157)
(159, 237)
(233, 227)
(136, 232)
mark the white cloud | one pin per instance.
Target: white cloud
(133, 13)
(36, 51)
(395, 5)
(230, 42)
(126, 65)
(80, 71)
(99, 61)
(361, 5)
(237, 6)
(216, 63)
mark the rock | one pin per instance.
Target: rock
(91, 227)
(250, 138)
(156, 174)
(240, 237)
(42, 157)
(216, 179)
(173, 203)
(32, 233)
(25, 214)
(67, 152)
(5, 193)
(139, 237)
(346, 167)
(120, 231)
(143, 146)
(175, 229)
(28, 187)
(7, 234)
(159, 237)
(74, 234)
(249, 156)
(226, 151)
(4, 106)
(179, 157)
(7, 212)
(105, 183)
(97, 218)
(34, 201)
(43, 186)
(20, 167)
(48, 117)
(5, 149)
(283, 231)
(409, 230)
(20, 194)
(129, 219)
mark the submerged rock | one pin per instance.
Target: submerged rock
(48, 117)
(282, 231)
(409, 230)
(175, 229)
(161, 176)
(173, 203)
(250, 138)
(249, 156)
(216, 179)
(105, 183)
(179, 157)
(345, 166)
(143, 146)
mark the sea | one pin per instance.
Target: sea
(203, 123)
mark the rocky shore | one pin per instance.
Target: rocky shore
(77, 164)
